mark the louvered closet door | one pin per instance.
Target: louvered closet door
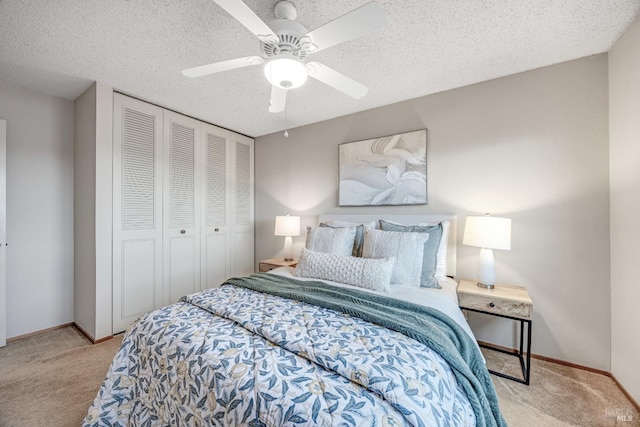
(137, 209)
(181, 261)
(242, 204)
(216, 207)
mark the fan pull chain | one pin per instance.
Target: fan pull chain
(286, 122)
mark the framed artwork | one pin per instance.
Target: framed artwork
(385, 171)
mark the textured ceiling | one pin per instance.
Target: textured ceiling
(140, 46)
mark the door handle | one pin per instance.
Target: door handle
(183, 231)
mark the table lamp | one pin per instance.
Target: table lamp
(287, 226)
(488, 233)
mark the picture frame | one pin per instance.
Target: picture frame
(384, 171)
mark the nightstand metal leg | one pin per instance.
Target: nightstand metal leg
(528, 374)
(524, 365)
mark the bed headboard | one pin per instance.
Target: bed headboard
(408, 220)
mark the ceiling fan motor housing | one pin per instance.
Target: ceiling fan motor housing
(285, 68)
(290, 39)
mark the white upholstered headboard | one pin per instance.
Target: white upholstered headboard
(408, 220)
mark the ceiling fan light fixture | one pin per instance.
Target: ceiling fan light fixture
(286, 72)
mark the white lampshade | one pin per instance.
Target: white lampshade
(287, 226)
(487, 232)
(285, 71)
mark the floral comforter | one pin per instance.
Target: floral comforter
(238, 357)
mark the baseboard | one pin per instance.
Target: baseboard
(625, 392)
(89, 337)
(571, 365)
(42, 331)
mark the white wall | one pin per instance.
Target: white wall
(84, 210)
(624, 134)
(92, 205)
(39, 209)
(532, 147)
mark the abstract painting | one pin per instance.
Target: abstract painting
(390, 170)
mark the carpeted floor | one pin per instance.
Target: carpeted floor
(559, 396)
(52, 378)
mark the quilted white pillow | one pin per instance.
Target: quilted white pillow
(406, 248)
(338, 241)
(369, 273)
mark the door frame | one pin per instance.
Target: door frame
(3, 233)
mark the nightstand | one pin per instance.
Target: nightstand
(270, 264)
(511, 302)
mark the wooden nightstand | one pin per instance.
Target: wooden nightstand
(270, 264)
(511, 302)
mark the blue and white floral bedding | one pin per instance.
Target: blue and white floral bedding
(236, 356)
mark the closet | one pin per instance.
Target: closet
(182, 207)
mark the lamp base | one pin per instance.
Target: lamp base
(485, 286)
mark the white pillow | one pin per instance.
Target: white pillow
(441, 261)
(337, 241)
(369, 273)
(406, 248)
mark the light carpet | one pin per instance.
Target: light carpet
(52, 378)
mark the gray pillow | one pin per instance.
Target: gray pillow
(430, 253)
(359, 240)
(337, 241)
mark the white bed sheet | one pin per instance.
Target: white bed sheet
(444, 300)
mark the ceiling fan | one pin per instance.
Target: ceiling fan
(286, 44)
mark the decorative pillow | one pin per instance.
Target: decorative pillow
(369, 273)
(359, 239)
(406, 247)
(430, 255)
(337, 241)
(339, 223)
(441, 267)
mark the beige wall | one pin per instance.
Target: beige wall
(532, 147)
(624, 134)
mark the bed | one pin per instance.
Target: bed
(295, 348)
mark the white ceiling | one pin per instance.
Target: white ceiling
(140, 47)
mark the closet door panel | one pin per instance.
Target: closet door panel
(138, 277)
(216, 214)
(181, 231)
(243, 215)
(217, 266)
(183, 274)
(137, 209)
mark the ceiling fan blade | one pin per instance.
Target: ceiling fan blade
(356, 23)
(216, 67)
(247, 17)
(278, 100)
(336, 80)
